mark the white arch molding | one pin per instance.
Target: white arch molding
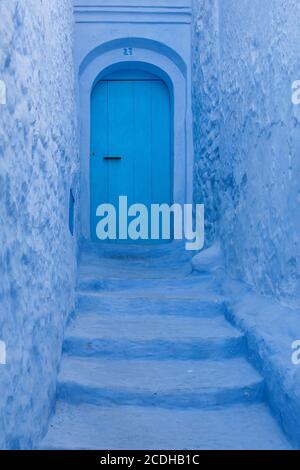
(173, 75)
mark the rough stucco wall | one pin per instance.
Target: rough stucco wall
(38, 162)
(205, 78)
(260, 142)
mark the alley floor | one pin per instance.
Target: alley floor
(150, 361)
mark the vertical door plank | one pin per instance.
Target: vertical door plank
(143, 144)
(99, 147)
(121, 140)
(161, 151)
(130, 119)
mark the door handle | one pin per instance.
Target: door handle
(112, 158)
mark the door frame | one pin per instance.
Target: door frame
(175, 78)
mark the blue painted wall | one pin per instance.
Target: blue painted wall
(260, 142)
(206, 112)
(39, 163)
(246, 134)
(247, 165)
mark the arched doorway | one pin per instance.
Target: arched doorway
(131, 143)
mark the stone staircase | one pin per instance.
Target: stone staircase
(150, 361)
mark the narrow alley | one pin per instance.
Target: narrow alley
(149, 213)
(151, 362)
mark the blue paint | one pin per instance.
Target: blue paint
(163, 51)
(39, 163)
(143, 320)
(130, 144)
(130, 359)
(77, 427)
(150, 383)
(208, 337)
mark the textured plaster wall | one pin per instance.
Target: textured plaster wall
(206, 112)
(260, 142)
(38, 164)
(247, 136)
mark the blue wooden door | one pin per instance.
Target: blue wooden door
(130, 144)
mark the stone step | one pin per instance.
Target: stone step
(208, 306)
(89, 427)
(153, 337)
(187, 287)
(169, 384)
(97, 253)
(134, 269)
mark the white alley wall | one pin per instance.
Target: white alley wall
(38, 166)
